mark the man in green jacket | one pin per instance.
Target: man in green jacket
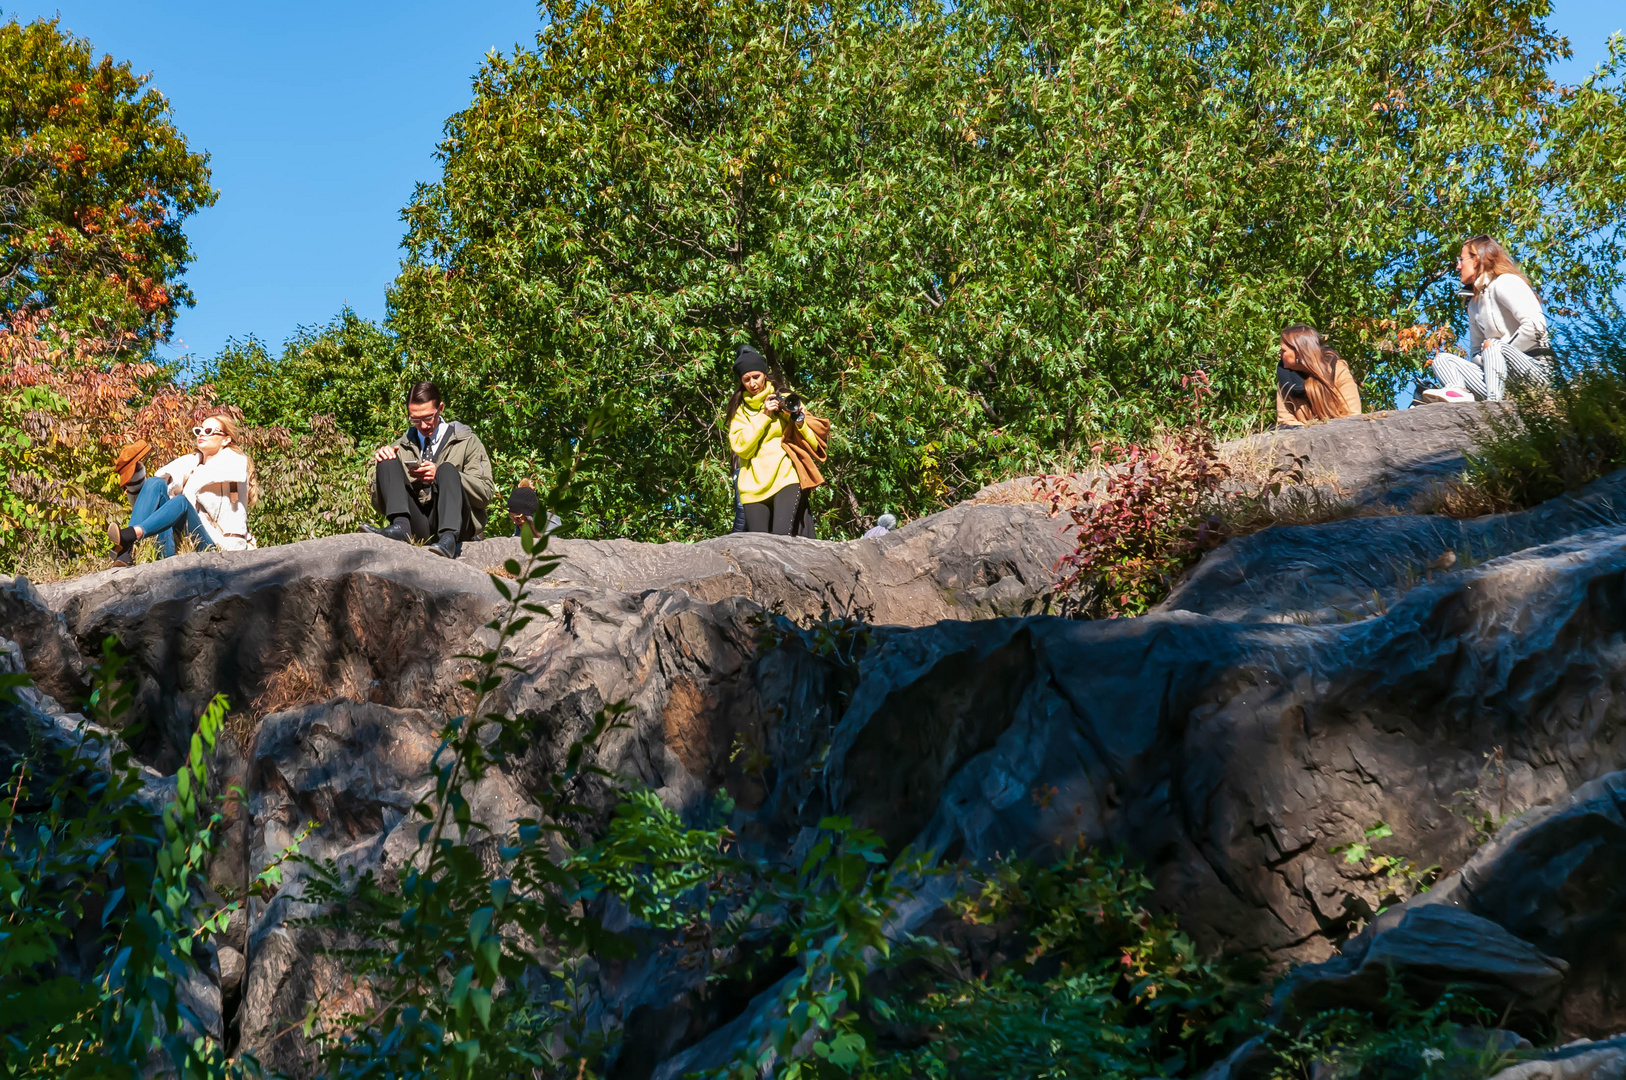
(435, 482)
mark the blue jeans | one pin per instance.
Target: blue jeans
(160, 517)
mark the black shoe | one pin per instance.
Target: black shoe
(395, 530)
(123, 558)
(124, 539)
(445, 546)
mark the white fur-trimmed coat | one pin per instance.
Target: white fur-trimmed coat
(218, 490)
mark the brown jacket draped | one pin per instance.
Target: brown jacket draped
(805, 454)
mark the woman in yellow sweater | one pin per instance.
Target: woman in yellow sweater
(771, 478)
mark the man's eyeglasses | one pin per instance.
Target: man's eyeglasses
(425, 421)
(200, 432)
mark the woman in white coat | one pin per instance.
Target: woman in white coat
(1507, 331)
(214, 489)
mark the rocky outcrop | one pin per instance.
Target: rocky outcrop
(1356, 568)
(1232, 756)
(1376, 461)
(1303, 685)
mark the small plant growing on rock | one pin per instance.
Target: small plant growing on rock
(1484, 806)
(1400, 877)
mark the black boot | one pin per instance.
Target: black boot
(123, 538)
(446, 545)
(395, 530)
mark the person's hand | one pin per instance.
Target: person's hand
(385, 453)
(424, 471)
(771, 405)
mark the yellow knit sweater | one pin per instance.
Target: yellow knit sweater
(756, 436)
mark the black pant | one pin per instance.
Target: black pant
(777, 515)
(445, 512)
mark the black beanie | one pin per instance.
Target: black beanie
(749, 360)
(524, 501)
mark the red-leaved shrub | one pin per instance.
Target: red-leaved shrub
(1141, 520)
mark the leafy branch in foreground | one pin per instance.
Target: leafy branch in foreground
(101, 903)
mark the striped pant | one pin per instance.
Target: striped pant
(1489, 381)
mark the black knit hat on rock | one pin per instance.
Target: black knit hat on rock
(524, 501)
(749, 360)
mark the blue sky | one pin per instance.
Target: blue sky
(320, 118)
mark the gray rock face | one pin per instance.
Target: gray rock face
(1430, 949)
(1377, 460)
(1356, 568)
(1583, 1061)
(1232, 756)
(966, 562)
(1228, 741)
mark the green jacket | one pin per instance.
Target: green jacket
(461, 447)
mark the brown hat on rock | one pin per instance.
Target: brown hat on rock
(129, 457)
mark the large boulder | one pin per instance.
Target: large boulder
(1228, 741)
(1382, 461)
(1430, 950)
(1232, 756)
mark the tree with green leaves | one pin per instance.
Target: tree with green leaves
(348, 369)
(95, 182)
(981, 237)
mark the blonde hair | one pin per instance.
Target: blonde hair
(229, 428)
(1491, 261)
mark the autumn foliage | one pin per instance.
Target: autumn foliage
(1142, 519)
(95, 183)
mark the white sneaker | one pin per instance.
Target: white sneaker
(1446, 394)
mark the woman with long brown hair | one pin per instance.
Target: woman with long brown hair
(214, 488)
(1312, 382)
(1507, 331)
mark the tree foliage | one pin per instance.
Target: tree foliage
(982, 236)
(95, 181)
(347, 369)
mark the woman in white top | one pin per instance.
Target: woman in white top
(214, 485)
(1507, 332)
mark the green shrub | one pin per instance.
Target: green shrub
(311, 482)
(1399, 1041)
(52, 489)
(1100, 987)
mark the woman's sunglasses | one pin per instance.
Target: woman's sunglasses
(200, 432)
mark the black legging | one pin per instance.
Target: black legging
(777, 515)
